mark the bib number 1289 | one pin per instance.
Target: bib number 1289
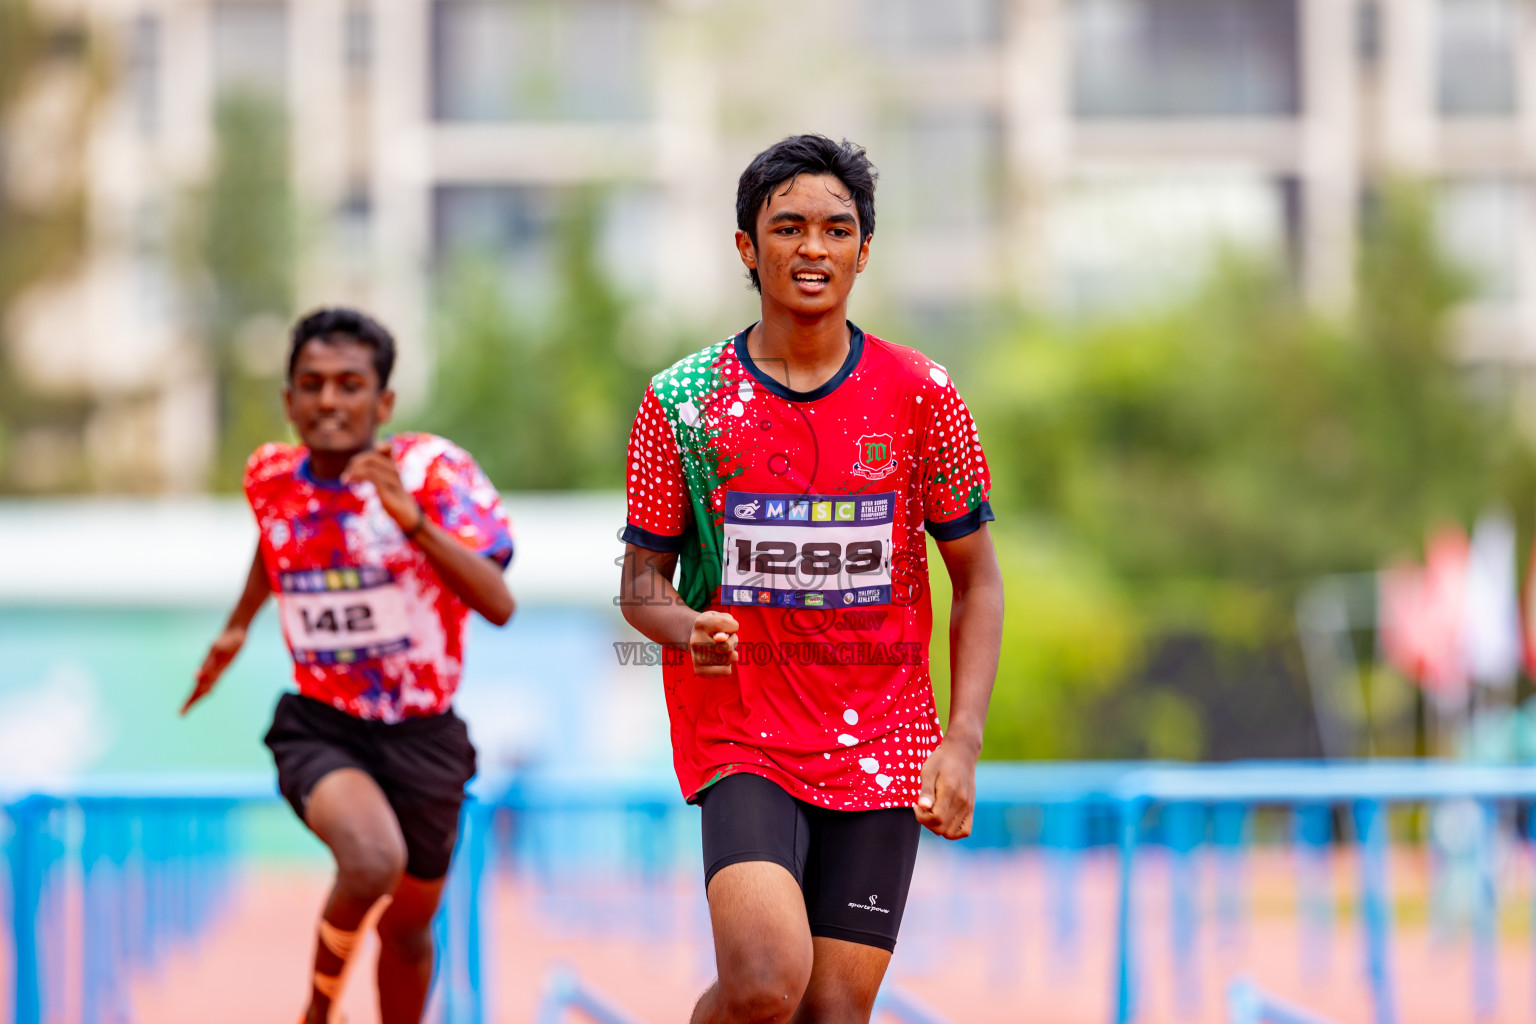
(808, 559)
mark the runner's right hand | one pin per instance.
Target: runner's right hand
(223, 651)
(713, 644)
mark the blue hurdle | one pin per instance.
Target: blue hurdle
(1248, 1004)
(153, 860)
(152, 872)
(564, 992)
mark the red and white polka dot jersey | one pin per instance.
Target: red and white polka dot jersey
(803, 515)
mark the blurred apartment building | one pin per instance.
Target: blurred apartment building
(1076, 154)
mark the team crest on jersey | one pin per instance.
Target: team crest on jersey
(876, 459)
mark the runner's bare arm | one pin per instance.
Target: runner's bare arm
(975, 637)
(653, 606)
(477, 581)
(228, 643)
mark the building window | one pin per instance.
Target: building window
(538, 60)
(250, 46)
(143, 73)
(921, 26)
(941, 168)
(1368, 31)
(358, 31)
(1476, 50)
(1479, 222)
(518, 230)
(154, 282)
(1185, 58)
(1121, 240)
(354, 228)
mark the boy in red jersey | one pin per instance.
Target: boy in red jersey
(794, 472)
(377, 552)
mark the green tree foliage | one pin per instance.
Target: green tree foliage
(37, 242)
(1071, 637)
(1202, 465)
(543, 402)
(240, 248)
(34, 243)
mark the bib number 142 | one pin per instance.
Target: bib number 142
(354, 618)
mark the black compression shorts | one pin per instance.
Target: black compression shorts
(855, 867)
(421, 764)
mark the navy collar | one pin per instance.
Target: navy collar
(855, 351)
(307, 474)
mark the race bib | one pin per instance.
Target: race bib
(340, 616)
(807, 550)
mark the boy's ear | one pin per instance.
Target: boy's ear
(746, 250)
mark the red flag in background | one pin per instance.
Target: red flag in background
(1528, 608)
(1423, 617)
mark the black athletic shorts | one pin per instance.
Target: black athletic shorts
(421, 764)
(855, 867)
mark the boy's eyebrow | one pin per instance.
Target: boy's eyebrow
(791, 215)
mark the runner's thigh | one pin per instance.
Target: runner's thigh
(423, 765)
(858, 872)
(748, 818)
(755, 839)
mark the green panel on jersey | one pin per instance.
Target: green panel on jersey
(686, 391)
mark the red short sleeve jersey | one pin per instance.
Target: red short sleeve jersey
(804, 515)
(373, 629)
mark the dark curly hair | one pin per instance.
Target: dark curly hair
(341, 323)
(805, 154)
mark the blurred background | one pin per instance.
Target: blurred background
(1242, 294)
(1243, 291)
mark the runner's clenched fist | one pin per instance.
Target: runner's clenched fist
(713, 644)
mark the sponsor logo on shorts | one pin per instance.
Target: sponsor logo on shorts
(870, 906)
(748, 510)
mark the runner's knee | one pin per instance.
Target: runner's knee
(840, 1006)
(371, 867)
(407, 942)
(765, 991)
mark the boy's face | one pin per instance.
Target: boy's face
(333, 399)
(808, 251)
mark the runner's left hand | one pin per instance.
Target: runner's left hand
(948, 795)
(220, 654)
(377, 467)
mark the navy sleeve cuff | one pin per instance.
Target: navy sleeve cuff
(954, 529)
(502, 556)
(651, 541)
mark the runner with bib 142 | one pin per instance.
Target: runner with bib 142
(377, 550)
